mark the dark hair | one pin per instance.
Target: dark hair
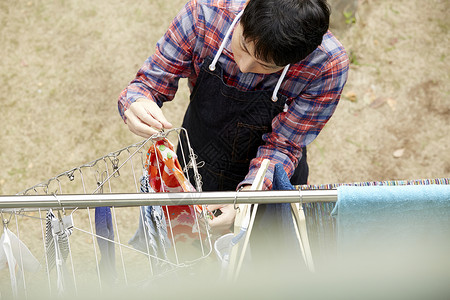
(285, 31)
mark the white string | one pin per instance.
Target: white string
(167, 207)
(21, 256)
(212, 66)
(133, 172)
(115, 221)
(141, 214)
(280, 80)
(68, 237)
(93, 238)
(197, 223)
(58, 264)
(130, 248)
(173, 236)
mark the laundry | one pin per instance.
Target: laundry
(279, 215)
(56, 239)
(159, 225)
(105, 239)
(273, 234)
(164, 170)
(20, 252)
(321, 225)
(57, 248)
(151, 235)
(165, 175)
(15, 255)
(373, 219)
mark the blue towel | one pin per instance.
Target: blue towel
(373, 218)
(104, 230)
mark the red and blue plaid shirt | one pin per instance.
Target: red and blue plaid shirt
(313, 86)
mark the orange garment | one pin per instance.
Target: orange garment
(166, 175)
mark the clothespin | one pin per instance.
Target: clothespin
(62, 223)
(115, 164)
(100, 181)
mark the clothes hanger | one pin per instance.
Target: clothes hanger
(243, 224)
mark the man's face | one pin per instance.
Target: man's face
(244, 57)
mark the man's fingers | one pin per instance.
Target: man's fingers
(159, 116)
(223, 222)
(136, 126)
(151, 114)
(145, 118)
(143, 130)
(218, 221)
(143, 112)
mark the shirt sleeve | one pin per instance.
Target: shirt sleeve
(158, 77)
(304, 118)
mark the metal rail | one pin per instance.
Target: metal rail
(140, 199)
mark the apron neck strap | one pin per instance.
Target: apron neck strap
(212, 66)
(280, 80)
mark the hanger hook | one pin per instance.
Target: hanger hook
(57, 199)
(301, 196)
(5, 220)
(235, 197)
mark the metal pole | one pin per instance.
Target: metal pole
(140, 199)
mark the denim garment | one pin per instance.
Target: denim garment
(105, 239)
(151, 236)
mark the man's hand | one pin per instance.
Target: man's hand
(222, 223)
(145, 118)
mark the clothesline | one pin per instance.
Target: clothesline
(376, 183)
(305, 194)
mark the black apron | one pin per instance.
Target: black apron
(225, 128)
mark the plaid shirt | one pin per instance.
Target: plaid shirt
(313, 86)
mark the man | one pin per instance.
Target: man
(265, 76)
